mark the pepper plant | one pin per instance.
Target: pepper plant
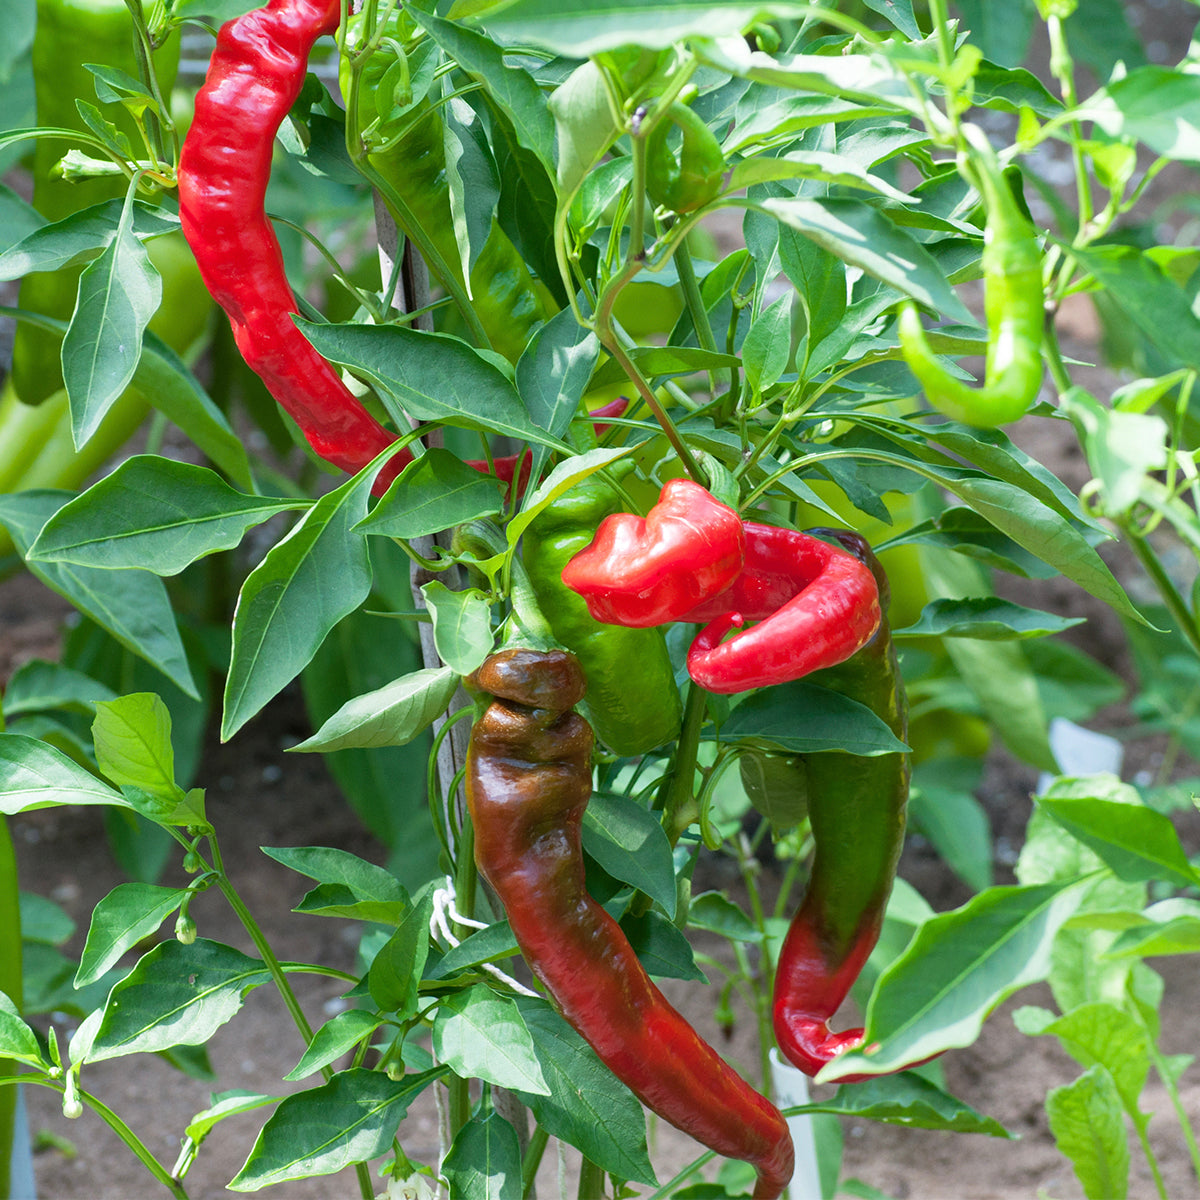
(454, 497)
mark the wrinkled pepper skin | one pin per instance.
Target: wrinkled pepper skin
(632, 703)
(507, 299)
(650, 571)
(815, 605)
(857, 809)
(255, 75)
(528, 783)
(70, 33)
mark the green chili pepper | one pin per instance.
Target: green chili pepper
(690, 181)
(505, 297)
(1012, 274)
(632, 701)
(69, 34)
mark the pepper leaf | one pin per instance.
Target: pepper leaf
(802, 718)
(436, 492)
(482, 1035)
(987, 618)
(351, 1119)
(627, 841)
(154, 513)
(35, 775)
(485, 1161)
(129, 913)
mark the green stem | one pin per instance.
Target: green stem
(532, 1159)
(679, 800)
(591, 1180)
(699, 314)
(1175, 603)
(11, 986)
(1169, 1083)
(1062, 67)
(668, 1189)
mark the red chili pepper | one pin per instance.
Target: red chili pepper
(815, 605)
(648, 571)
(529, 778)
(256, 73)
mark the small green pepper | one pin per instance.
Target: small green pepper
(690, 181)
(632, 700)
(1012, 274)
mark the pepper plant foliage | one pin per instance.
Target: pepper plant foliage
(581, 154)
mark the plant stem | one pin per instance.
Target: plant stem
(532, 1159)
(1169, 1083)
(699, 314)
(668, 1188)
(1175, 603)
(591, 1180)
(679, 801)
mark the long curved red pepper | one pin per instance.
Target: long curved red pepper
(255, 74)
(529, 778)
(815, 604)
(648, 571)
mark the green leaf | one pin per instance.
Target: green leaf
(462, 625)
(585, 126)
(336, 1037)
(431, 376)
(1137, 843)
(768, 344)
(17, 1040)
(718, 914)
(76, 238)
(956, 824)
(1103, 1034)
(661, 948)
(349, 886)
(155, 513)
(34, 775)
(1165, 928)
(487, 945)
(987, 618)
(131, 605)
(629, 843)
(555, 370)
(485, 1161)
(587, 1105)
(1085, 1118)
(391, 715)
(118, 294)
(664, 362)
(437, 491)
(44, 921)
(306, 583)
(564, 477)
(129, 913)
(396, 970)
(802, 718)
(352, 1118)
(481, 1035)
(512, 87)
(579, 28)
(1159, 106)
(132, 736)
(959, 966)
(176, 995)
(225, 1104)
(906, 1099)
(37, 685)
(863, 237)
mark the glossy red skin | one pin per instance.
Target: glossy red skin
(528, 782)
(650, 571)
(815, 605)
(256, 73)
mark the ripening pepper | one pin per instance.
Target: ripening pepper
(528, 782)
(856, 806)
(632, 702)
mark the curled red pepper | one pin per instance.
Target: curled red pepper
(815, 604)
(649, 571)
